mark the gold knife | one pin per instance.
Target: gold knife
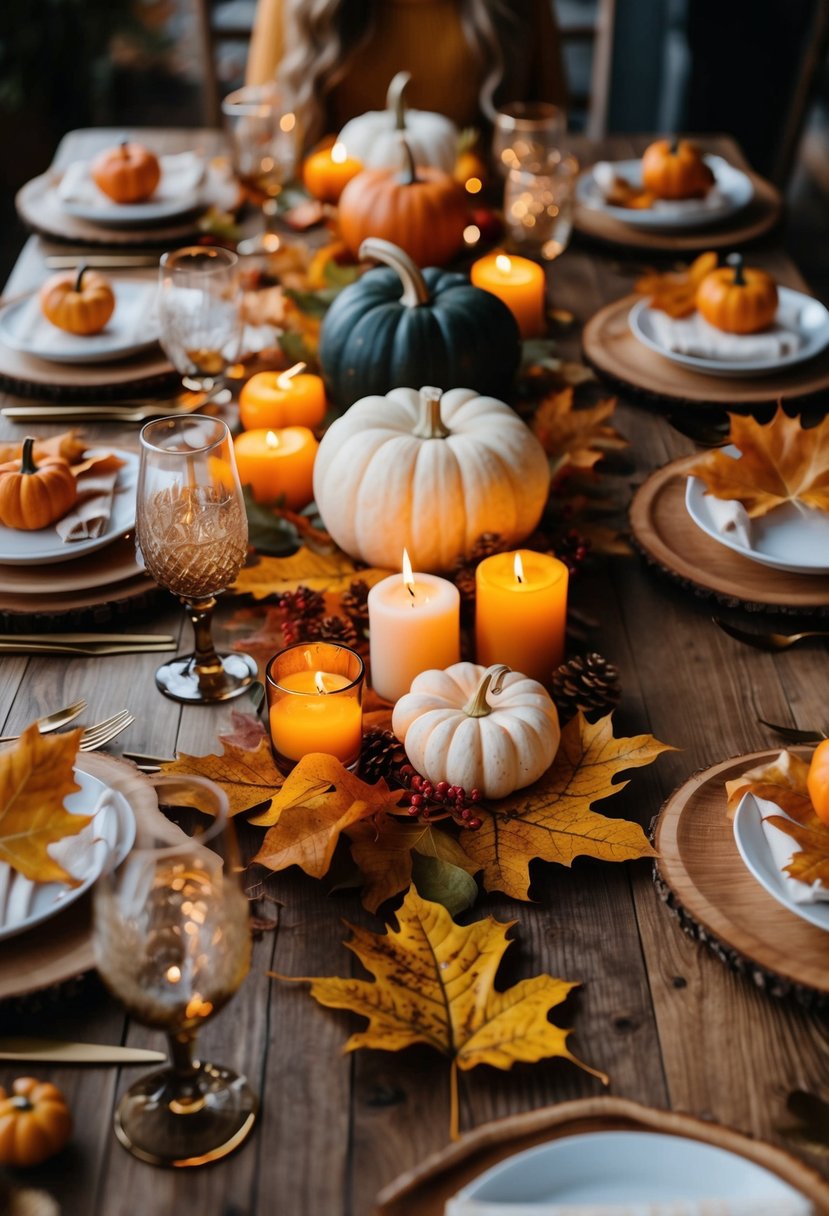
(101, 261)
(61, 1051)
(84, 639)
(95, 651)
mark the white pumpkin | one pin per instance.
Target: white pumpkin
(374, 138)
(430, 472)
(485, 728)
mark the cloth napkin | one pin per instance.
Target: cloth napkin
(782, 849)
(694, 336)
(95, 479)
(604, 175)
(680, 1207)
(181, 174)
(730, 518)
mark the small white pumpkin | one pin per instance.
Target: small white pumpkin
(374, 138)
(485, 728)
(430, 472)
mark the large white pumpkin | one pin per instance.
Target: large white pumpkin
(374, 138)
(430, 472)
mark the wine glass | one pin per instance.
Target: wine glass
(192, 533)
(263, 140)
(200, 314)
(172, 942)
(538, 206)
(524, 133)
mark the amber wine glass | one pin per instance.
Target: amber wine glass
(200, 312)
(172, 942)
(262, 130)
(192, 533)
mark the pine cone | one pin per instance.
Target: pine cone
(382, 755)
(587, 682)
(354, 603)
(484, 546)
(464, 580)
(302, 604)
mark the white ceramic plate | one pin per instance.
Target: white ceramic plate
(24, 904)
(19, 548)
(132, 327)
(796, 311)
(785, 539)
(624, 1167)
(754, 850)
(178, 191)
(734, 191)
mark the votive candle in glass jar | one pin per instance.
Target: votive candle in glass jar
(315, 693)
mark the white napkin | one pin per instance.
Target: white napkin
(694, 336)
(730, 518)
(680, 1207)
(782, 849)
(604, 175)
(181, 174)
(90, 515)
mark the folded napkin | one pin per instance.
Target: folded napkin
(605, 175)
(694, 336)
(782, 849)
(730, 518)
(95, 479)
(679, 1207)
(181, 174)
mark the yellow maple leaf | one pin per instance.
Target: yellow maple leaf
(575, 437)
(36, 776)
(382, 849)
(319, 800)
(434, 983)
(328, 572)
(248, 777)
(779, 461)
(552, 820)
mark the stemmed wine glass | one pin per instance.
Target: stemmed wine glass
(192, 533)
(200, 314)
(263, 141)
(172, 942)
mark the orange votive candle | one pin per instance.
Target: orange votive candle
(521, 612)
(314, 694)
(326, 173)
(274, 399)
(519, 283)
(278, 464)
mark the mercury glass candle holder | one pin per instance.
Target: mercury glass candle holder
(538, 206)
(525, 133)
(315, 695)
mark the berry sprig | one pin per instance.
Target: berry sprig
(430, 802)
(572, 548)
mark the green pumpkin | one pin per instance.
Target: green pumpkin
(440, 330)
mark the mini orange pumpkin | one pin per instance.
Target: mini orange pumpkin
(422, 210)
(34, 496)
(675, 169)
(736, 299)
(35, 1122)
(81, 304)
(817, 780)
(126, 174)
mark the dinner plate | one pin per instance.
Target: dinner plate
(24, 904)
(734, 191)
(18, 547)
(133, 327)
(628, 1167)
(796, 311)
(755, 852)
(788, 538)
(179, 191)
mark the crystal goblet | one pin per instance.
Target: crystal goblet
(199, 310)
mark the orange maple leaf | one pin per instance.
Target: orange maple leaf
(36, 776)
(248, 776)
(675, 291)
(578, 438)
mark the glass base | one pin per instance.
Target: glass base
(165, 1120)
(179, 680)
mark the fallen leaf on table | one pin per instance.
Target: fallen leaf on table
(383, 849)
(780, 461)
(552, 819)
(319, 571)
(578, 438)
(248, 731)
(675, 291)
(36, 776)
(248, 777)
(433, 983)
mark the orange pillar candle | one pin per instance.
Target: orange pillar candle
(278, 464)
(326, 173)
(521, 612)
(274, 399)
(315, 702)
(519, 283)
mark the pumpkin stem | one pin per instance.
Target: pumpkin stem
(409, 175)
(82, 269)
(27, 460)
(21, 1102)
(430, 425)
(396, 99)
(124, 148)
(415, 290)
(479, 707)
(736, 260)
(674, 147)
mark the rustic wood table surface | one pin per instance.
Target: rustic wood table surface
(668, 1021)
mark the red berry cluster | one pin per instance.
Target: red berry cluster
(572, 548)
(430, 802)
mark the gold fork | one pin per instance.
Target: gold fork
(52, 721)
(768, 640)
(102, 732)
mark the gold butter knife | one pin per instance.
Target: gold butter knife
(85, 639)
(101, 261)
(61, 1051)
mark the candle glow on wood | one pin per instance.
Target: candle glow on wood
(278, 463)
(519, 283)
(521, 612)
(277, 399)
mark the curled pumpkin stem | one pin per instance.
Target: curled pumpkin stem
(493, 679)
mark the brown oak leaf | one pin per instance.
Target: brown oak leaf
(382, 847)
(248, 777)
(779, 462)
(575, 437)
(319, 571)
(36, 776)
(553, 820)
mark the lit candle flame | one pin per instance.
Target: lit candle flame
(408, 576)
(272, 439)
(320, 682)
(518, 567)
(339, 154)
(503, 263)
(283, 381)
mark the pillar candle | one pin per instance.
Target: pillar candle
(414, 625)
(521, 612)
(326, 173)
(274, 399)
(278, 464)
(519, 283)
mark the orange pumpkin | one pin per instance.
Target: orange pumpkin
(35, 1122)
(817, 780)
(81, 304)
(34, 496)
(126, 174)
(674, 168)
(422, 210)
(736, 299)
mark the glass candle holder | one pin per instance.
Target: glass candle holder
(538, 206)
(315, 703)
(525, 133)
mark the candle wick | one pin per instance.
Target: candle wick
(410, 589)
(519, 577)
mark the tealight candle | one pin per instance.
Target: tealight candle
(326, 173)
(315, 702)
(519, 283)
(521, 612)
(274, 399)
(277, 464)
(414, 625)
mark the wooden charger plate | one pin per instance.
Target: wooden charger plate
(668, 538)
(611, 348)
(425, 1190)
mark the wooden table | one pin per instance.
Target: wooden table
(670, 1024)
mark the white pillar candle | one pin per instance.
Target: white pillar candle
(414, 625)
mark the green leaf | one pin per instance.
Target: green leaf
(313, 303)
(297, 350)
(443, 883)
(269, 533)
(340, 276)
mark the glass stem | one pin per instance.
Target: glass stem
(184, 1094)
(181, 1053)
(206, 663)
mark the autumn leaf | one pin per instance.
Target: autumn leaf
(433, 982)
(383, 849)
(319, 800)
(779, 462)
(675, 291)
(552, 820)
(578, 438)
(36, 776)
(248, 776)
(327, 572)
(248, 731)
